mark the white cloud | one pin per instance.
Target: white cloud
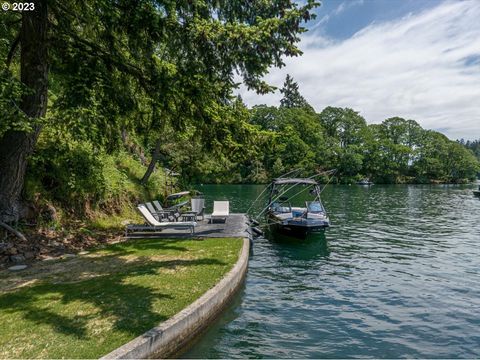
(414, 67)
(346, 5)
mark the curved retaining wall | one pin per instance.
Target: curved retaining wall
(172, 335)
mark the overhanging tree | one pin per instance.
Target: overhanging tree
(178, 54)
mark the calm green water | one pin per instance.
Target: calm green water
(398, 275)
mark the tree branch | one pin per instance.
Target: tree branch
(116, 60)
(13, 48)
(16, 232)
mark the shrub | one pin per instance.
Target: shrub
(70, 172)
(74, 175)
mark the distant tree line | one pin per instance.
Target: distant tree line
(294, 135)
(472, 145)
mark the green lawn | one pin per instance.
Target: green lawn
(87, 306)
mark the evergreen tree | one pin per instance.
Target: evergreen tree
(291, 95)
(472, 145)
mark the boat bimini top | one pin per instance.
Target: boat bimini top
(298, 181)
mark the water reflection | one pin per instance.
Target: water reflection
(314, 246)
(395, 276)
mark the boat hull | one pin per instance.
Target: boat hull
(476, 193)
(298, 228)
(297, 231)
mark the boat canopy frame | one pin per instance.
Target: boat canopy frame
(293, 182)
(275, 197)
(296, 181)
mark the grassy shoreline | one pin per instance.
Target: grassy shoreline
(87, 306)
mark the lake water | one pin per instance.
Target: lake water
(397, 275)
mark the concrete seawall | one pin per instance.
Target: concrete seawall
(173, 335)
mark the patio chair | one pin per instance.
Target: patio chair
(159, 206)
(221, 210)
(170, 214)
(197, 206)
(174, 210)
(153, 225)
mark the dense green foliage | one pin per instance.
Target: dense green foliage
(395, 151)
(472, 145)
(75, 175)
(153, 77)
(120, 64)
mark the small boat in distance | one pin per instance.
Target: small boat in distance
(477, 192)
(365, 182)
(296, 220)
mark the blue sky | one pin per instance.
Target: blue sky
(419, 59)
(341, 19)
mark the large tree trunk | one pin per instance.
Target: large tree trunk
(16, 146)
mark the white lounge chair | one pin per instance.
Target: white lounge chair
(221, 210)
(157, 226)
(157, 215)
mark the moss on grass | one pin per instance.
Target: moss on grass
(87, 306)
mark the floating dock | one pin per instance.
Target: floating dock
(236, 225)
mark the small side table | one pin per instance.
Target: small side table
(189, 216)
